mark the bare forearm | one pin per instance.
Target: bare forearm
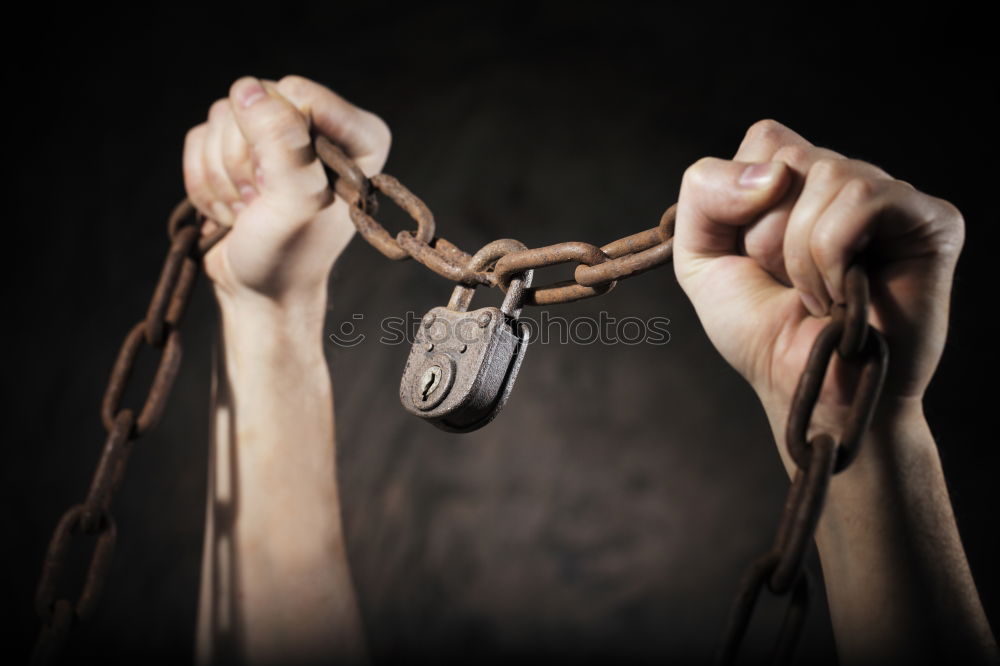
(897, 579)
(276, 584)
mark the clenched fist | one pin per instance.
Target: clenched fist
(252, 167)
(762, 245)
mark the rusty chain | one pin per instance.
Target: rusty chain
(817, 459)
(92, 517)
(598, 270)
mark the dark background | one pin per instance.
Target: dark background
(611, 508)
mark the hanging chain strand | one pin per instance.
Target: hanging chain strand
(817, 460)
(158, 330)
(598, 270)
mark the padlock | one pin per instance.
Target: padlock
(463, 364)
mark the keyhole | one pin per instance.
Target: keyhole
(429, 381)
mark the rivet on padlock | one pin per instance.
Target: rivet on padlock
(463, 364)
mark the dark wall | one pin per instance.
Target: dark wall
(611, 508)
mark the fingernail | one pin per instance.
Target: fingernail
(237, 206)
(247, 192)
(249, 93)
(758, 175)
(814, 307)
(259, 176)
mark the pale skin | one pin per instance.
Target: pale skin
(762, 244)
(275, 581)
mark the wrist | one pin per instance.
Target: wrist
(255, 326)
(896, 453)
(892, 475)
(898, 427)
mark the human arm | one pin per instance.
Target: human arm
(761, 248)
(275, 580)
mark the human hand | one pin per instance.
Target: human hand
(761, 248)
(251, 166)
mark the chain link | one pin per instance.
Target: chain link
(817, 460)
(754, 580)
(158, 329)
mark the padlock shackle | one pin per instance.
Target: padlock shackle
(513, 302)
(461, 297)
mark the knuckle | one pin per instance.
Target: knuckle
(379, 129)
(199, 194)
(698, 173)
(951, 213)
(194, 137)
(218, 110)
(191, 164)
(763, 132)
(828, 170)
(192, 175)
(293, 85)
(857, 191)
(822, 246)
(952, 238)
(193, 181)
(791, 155)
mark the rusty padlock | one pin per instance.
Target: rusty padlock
(463, 364)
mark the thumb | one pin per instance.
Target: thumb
(287, 173)
(718, 197)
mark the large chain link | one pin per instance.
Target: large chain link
(158, 330)
(817, 460)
